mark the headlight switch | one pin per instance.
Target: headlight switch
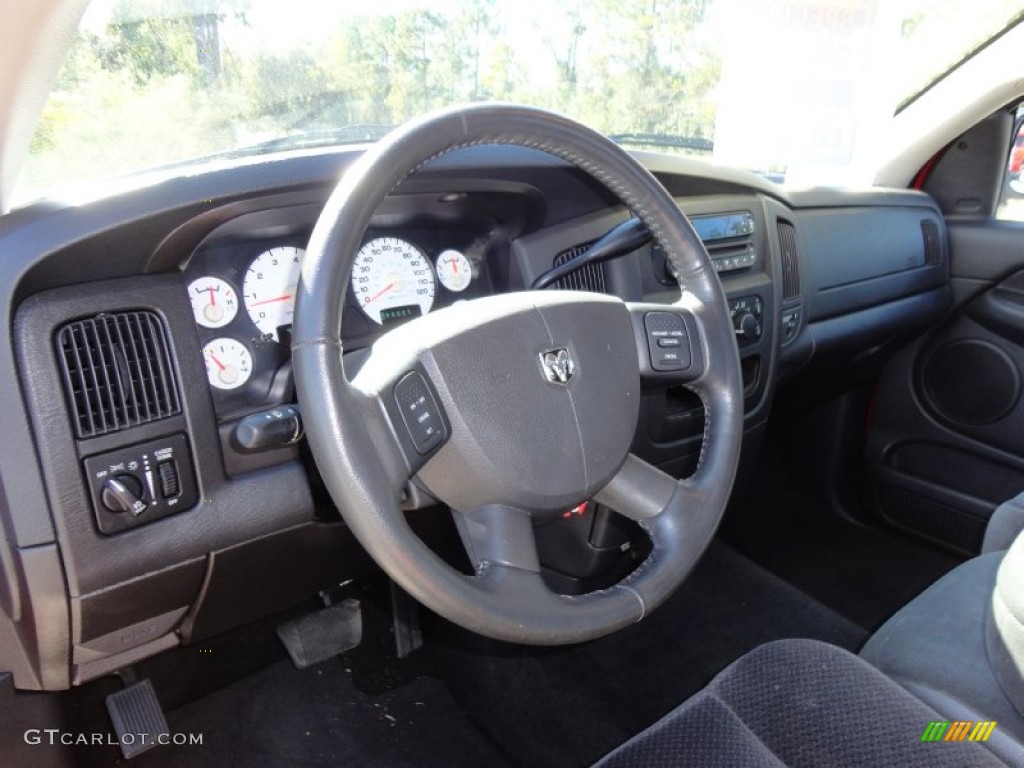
(141, 483)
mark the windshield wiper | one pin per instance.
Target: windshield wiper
(347, 134)
(691, 143)
(329, 137)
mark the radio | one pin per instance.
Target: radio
(729, 239)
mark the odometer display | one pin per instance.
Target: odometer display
(389, 273)
(395, 315)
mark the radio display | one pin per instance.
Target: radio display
(723, 227)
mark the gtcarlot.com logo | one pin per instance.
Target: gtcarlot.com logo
(55, 736)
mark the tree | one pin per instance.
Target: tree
(481, 25)
(148, 48)
(154, 38)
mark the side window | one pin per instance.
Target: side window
(1011, 202)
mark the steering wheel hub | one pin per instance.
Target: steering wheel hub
(519, 438)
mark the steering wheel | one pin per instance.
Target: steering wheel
(516, 407)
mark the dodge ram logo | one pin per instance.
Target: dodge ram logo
(557, 365)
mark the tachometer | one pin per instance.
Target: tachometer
(391, 278)
(269, 288)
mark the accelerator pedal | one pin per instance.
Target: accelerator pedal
(137, 718)
(322, 635)
(405, 619)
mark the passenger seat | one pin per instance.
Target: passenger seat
(1004, 525)
(959, 645)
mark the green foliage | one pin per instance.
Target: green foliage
(149, 48)
(165, 80)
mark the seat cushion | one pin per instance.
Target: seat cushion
(935, 647)
(1006, 523)
(799, 702)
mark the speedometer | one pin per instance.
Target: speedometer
(392, 279)
(269, 288)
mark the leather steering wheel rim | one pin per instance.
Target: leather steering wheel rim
(365, 461)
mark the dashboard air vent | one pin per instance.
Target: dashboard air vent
(932, 245)
(117, 372)
(790, 260)
(588, 278)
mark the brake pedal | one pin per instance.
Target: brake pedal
(324, 634)
(137, 717)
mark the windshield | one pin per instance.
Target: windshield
(776, 86)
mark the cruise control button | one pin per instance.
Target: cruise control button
(667, 342)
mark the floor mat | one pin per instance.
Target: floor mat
(864, 573)
(315, 717)
(569, 706)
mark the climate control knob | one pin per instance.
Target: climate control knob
(123, 493)
(747, 326)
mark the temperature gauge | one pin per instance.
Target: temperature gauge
(214, 302)
(228, 363)
(454, 271)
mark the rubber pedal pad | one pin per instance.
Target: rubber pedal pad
(322, 635)
(137, 717)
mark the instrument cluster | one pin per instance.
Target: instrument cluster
(242, 293)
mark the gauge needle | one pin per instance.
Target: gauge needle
(271, 301)
(218, 362)
(213, 300)
(379, 293)
(455, 265)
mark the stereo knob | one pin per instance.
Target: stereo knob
(123, 493)
(747, 326)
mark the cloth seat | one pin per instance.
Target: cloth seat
(960, 643)
(954, 653)
(1006, 523)
(936, 645)
(804, 703)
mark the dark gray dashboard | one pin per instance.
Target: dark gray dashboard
(823, 276)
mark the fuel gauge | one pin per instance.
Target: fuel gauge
(214, 302)
(228, 363)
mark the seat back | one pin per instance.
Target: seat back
(1004, 635)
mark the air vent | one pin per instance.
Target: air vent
(117, 372)
(587, 278)
(932, 245)
(790, 260)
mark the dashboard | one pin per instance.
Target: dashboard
(127, 530)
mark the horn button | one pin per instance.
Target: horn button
(542, 391)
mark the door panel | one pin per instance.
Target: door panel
(946, 435)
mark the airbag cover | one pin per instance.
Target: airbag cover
(519, 438)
